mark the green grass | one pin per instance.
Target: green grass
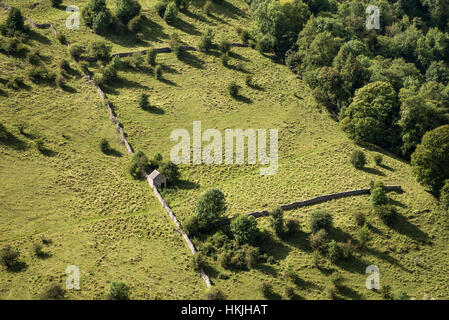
(114, 229)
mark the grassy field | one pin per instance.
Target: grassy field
(113, 228)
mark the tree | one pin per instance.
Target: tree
(171, 13)
(97, 16)
(244, 228)
(320, 219)
(378, 197)
(171, 172)
(139, 165)
(210, 207)
(277, 221)
(53, 292)
(430, 161)
(100, 50)
(118, 291)
(358, 159)
(9, 257)
(14, 22)
(125, 10)
(371, 115)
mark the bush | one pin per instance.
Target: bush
(41, 74)
(444, 195)
(118, 291)
(125, 10)
(233, 89)
(34, 57)
(192, 225)
(15, 21)
(360, 218)
(347, 249)
(198, 262)
(224, 46)
(15, 83)
(135, 24)
(53, 292)
(176, 45)
(320, 219)
(143, 101)
(60, 81)
(151, 56)
(171, 172)
(76, 51)
(171, 13)
(104, 145)
(139, 165)
(385, 291)
(160, 7)
(318, 239)
(100, 50)
(402, 295)
(206, 40)
(266, 289)
(386, 213)
(252, 257)
(225, 259)
(378, 159)
(208, 7)
(136, 61)
(102, 21)
(9, 257)
(210, 207)
(158, 72)
(378, 196)
(244, 35)
(55, 3)
(290, 293)
(333, 251)
(277, 221)
(182, 5)
(64, 65)
(358, 159)
(292, 227)
(213, 293)
(244, 228)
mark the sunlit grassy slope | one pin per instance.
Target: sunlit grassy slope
(113, 228)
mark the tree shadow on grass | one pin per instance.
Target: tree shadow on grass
(387, 258)
(68, 89)
(238, 68)
(47, 152)
(404, 227)
(353, 265)
(237, 56)
(186, 27)
(396, 203)
(153, 31)
(18, 267)
(125, 83)
(192, 60)
(154, 109)
(303, 284)
(197, 17)
(243, 99)
(349, 293)
(231, 10)
(373, 171)
(267, 269)
(112, 152)
(12, 141)
(256, 87)
(36, 36)
(44, 255)
(168, 69)
(299, 240)
(387, 167)
(187, 185)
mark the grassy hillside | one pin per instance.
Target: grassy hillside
(113, 228)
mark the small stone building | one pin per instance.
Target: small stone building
(157, 179)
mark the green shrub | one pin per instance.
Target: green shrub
(206, 40)
(136, 61)
(385, 292)
(386, 213)
(347, 249)
(139, 165)
(55, 3)
(360, 218)
(158, 72)
(225, 260)
(244, 228)
(333, 251)
(233, 89)
(210, 207)
(135, 24)
(402, 295)
(15, 21)
(34, 57)
(9, 257)
(378, 196)
(266, 289)
(317, 240)
(208, 7)
(125, 10)
(320, 219)
(224, 46)
(252, 257)
(378, 159)
(358, 159)
(13, 47)
(292, 227)
(37, 250)
(444, 195)
(76, 51)
(363, 236)
(160, 8)
(102, 21)
(171, 172)
(249, 80)
(277, 221)
(182, 5)
(104, 145)
(100, 50)
(143, 101)
(213, 293)
(53, 292)
(118, 291)
(151, 56)
(176, 45)
(171, 13)
(198, 262)
(15, 83)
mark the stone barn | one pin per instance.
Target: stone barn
(157, 179)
